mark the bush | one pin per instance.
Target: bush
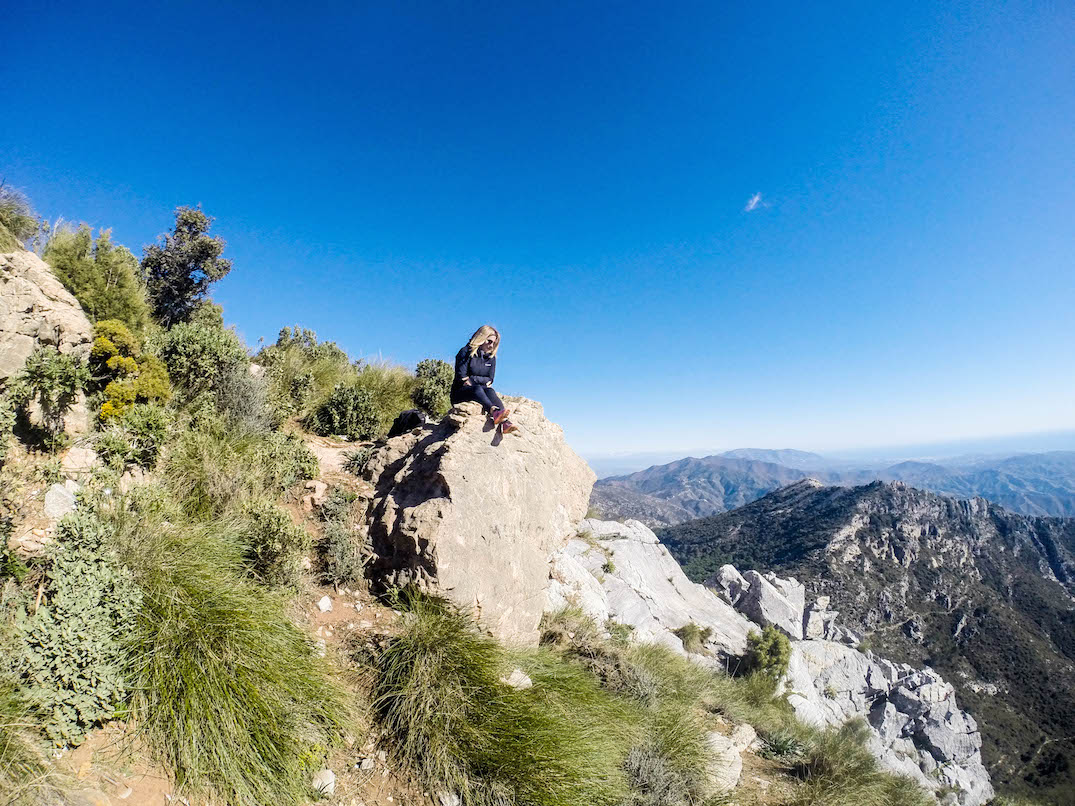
(390, 389)
(198, 355)
(228, 693)
(103, 277)
(7, 425)
(767, 653)
(349, 411)
(343, 560)
(442, 705)
(434, 386)
(52, 380)
(16, 215)
(302, 372)
(135, 437)
(73, 662)
(274, 543)
(693, 637)
(127, 376)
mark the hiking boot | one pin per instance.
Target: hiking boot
(499, 416)
(508, 427)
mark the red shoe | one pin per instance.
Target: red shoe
(508, 427)
(499, 415)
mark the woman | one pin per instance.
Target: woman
(475, 368)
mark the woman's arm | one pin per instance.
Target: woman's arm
(462, 364)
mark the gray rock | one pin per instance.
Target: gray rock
(725, 763)
(518, 679)
(59, 501)
(729, 583)
(766, 604)
(325, 782)
(324, 604)
(449, 799)
(460, 509)
(744, 736)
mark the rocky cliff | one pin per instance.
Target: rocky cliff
(621, 573)
(35, 309)
(982, 595)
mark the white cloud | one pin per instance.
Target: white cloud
(754, 203)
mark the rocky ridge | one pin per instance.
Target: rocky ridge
(621, 573)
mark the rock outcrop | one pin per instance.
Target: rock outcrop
(35, 310)
(621, 572)
(460, 509)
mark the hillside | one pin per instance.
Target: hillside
(1030, 484)
(981, 594)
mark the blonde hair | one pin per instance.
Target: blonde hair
(481, 335)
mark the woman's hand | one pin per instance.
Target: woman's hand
(466, 381)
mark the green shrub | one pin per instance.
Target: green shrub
(349, 411)
(126, 376)
(434, 386)
(198, 355)
(693, 637)
(442, 705)
(214, 469)
(73, 661)
(52, 380)
(7, 425)
(768, 653)
(338, 505)
(103, 277)
(274, 543)
(228, 693)
(16, 216)
(302, 372)
(343, 560)
(355, 462)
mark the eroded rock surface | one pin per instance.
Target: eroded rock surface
(475, 515)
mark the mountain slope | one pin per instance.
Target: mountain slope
(1030, 484)
(979, 593)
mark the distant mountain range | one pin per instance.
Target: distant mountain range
(983, 595)
(662, 495)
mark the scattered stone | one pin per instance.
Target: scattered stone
(321, 647)
(449, 799)
(78, 462)
(367, 764)
(325, 782)
(59, 501)
(518, 679)
(743, 737)
(725, 763)
(325, 604)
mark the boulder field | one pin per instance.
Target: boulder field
(495, 523)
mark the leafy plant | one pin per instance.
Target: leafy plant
(434, 386)
(342, 556)
(197, 355)
(274, 543)
(103, 276)
(52, 380)
(349, 411)
(693, 636)
(73, 659)
(768, 653)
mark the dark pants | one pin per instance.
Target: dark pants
(482, 394)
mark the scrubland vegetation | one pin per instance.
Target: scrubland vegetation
(168, 605)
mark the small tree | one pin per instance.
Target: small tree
(179, 270)
(768, 653)
(433, 391)
(103, 276)
(16, 214)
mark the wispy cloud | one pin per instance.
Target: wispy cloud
(754, 203)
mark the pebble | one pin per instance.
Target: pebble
(325, 782)
(325, 605)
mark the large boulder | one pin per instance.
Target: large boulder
(769, 600)
(462, 510)
(35, 310)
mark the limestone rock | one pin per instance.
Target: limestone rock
(729, 583)
(59, 501)
(35, 310)
(79, 462)
(460, 509)
(819, 621)
(316, 496)
(325, 604)
(626, 575)
(325, 782)
(725, 763)
(772, 601)
(518, 679)
(744, 736)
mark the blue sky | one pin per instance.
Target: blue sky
(393, 175)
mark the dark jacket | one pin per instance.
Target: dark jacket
(480, 368)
